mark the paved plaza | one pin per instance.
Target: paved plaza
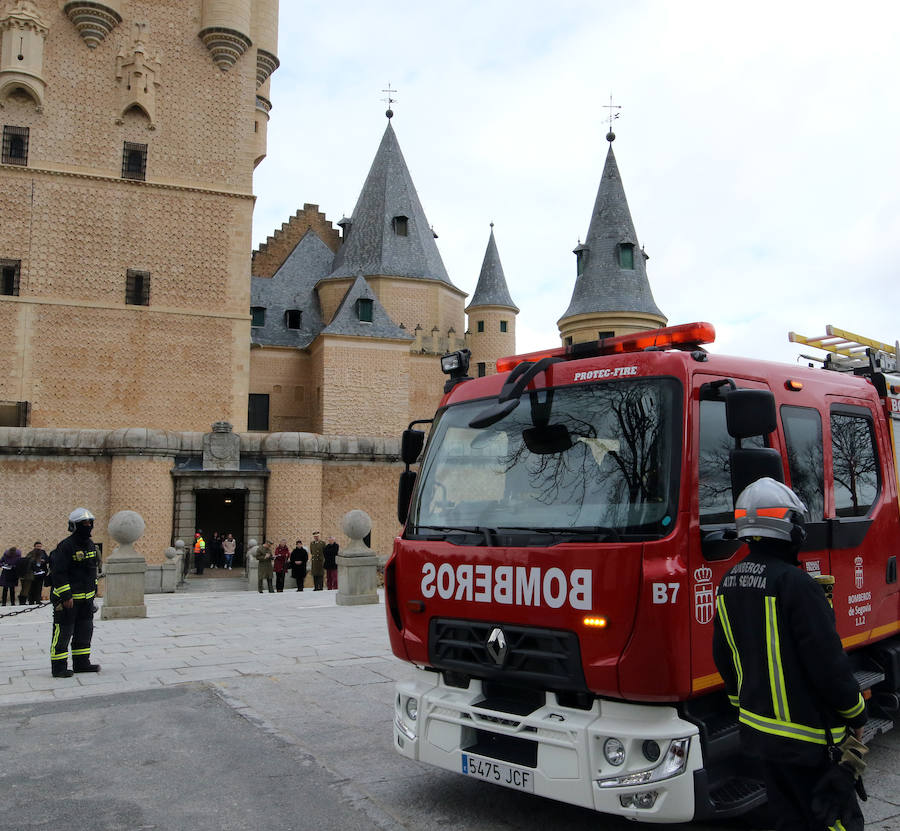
(228, 709)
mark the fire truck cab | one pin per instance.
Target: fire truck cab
(563, 538)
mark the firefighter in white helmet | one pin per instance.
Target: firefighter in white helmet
(777, 649)
(74, 565)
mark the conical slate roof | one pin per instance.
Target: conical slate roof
(491, 289)
(604, 285)
(346, 319)
(292, 287)
(373, 244)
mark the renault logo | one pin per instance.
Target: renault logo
(496, 646)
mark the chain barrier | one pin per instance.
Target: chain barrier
(25, 609)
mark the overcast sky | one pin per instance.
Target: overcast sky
(758, 145)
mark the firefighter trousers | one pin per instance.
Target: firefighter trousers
(75, 625)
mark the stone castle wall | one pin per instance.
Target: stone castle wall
(71, 346)
(313, 481)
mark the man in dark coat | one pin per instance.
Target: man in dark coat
(299, 559)
(331, 552)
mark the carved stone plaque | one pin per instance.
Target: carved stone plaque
(221, 448)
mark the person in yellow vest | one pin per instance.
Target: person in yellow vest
(199, 552)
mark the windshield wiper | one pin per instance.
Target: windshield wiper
(575, 531)
(486, 533)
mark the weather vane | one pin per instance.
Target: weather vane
(389, 100)
(611, 136)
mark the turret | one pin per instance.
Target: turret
(225, 30)
(492, 315)
(22, 35)
(612, 293)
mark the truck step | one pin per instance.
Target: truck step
(868, 678)
(876, 727)
(736, 792)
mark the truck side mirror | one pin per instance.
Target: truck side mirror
(404, 494)
(750, 413)
(411, 444)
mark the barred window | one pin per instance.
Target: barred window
(15, 145)
(134, 161)
(9, 277)
(137, 287)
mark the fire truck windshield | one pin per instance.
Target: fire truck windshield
(584, 462)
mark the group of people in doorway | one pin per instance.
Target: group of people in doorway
(319, 561)
(219, 552)
(26, 573)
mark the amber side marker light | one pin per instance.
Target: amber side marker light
(595, 622)
(794, 386)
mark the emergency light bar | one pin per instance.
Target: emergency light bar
(685, 335)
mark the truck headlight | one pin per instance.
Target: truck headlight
(673, 764)
(614, 751)
(412, 708)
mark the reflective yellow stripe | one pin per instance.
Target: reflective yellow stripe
(855, 710)
(729, 636)
(735, 701)
(60, 589)
(84, 595)
(81, 652)
(789, 729)
(776, 671)
(54, 655)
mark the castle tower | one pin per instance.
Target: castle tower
(492, 315)
(126, 191)
(612, 293)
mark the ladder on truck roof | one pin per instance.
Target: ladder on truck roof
(850, 352)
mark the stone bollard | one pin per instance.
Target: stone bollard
(252, 565)
(357, 563)
(170, 570)
(124, 570)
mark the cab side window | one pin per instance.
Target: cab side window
(854, 461)
(805, 456)
(714, 483)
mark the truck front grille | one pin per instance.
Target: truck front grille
(549, 659)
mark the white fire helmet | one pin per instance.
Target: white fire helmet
(80, 515)
(767, 508)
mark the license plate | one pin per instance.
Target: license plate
(497, 772)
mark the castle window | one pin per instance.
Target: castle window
(258, 412)
(482, 369)
(626, 255)
(14, 413)
(257, 315)
(401, 225)
(137, 287)
(480, 326)
(15, 145)
(134, 161)
(292, 318)
(9, 277)
(604, 335)
(580, 260)
(569, 340)
(502, 325)
(364, 309)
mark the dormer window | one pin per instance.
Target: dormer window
(626, 255)
(401, 225)
(257, 315)
(15, 145)
(292, 318)
(580, 252)
(364, 309)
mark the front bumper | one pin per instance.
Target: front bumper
(570, 764)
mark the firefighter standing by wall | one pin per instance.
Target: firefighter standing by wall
(74, 565)
(777, 649)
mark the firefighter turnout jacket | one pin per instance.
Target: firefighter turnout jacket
(777, 649)
(74, 564)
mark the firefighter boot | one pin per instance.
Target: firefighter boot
(60, 670)
(82, 663)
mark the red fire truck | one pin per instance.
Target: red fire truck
(563, 538)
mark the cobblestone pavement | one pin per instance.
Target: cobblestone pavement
(225, 680)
